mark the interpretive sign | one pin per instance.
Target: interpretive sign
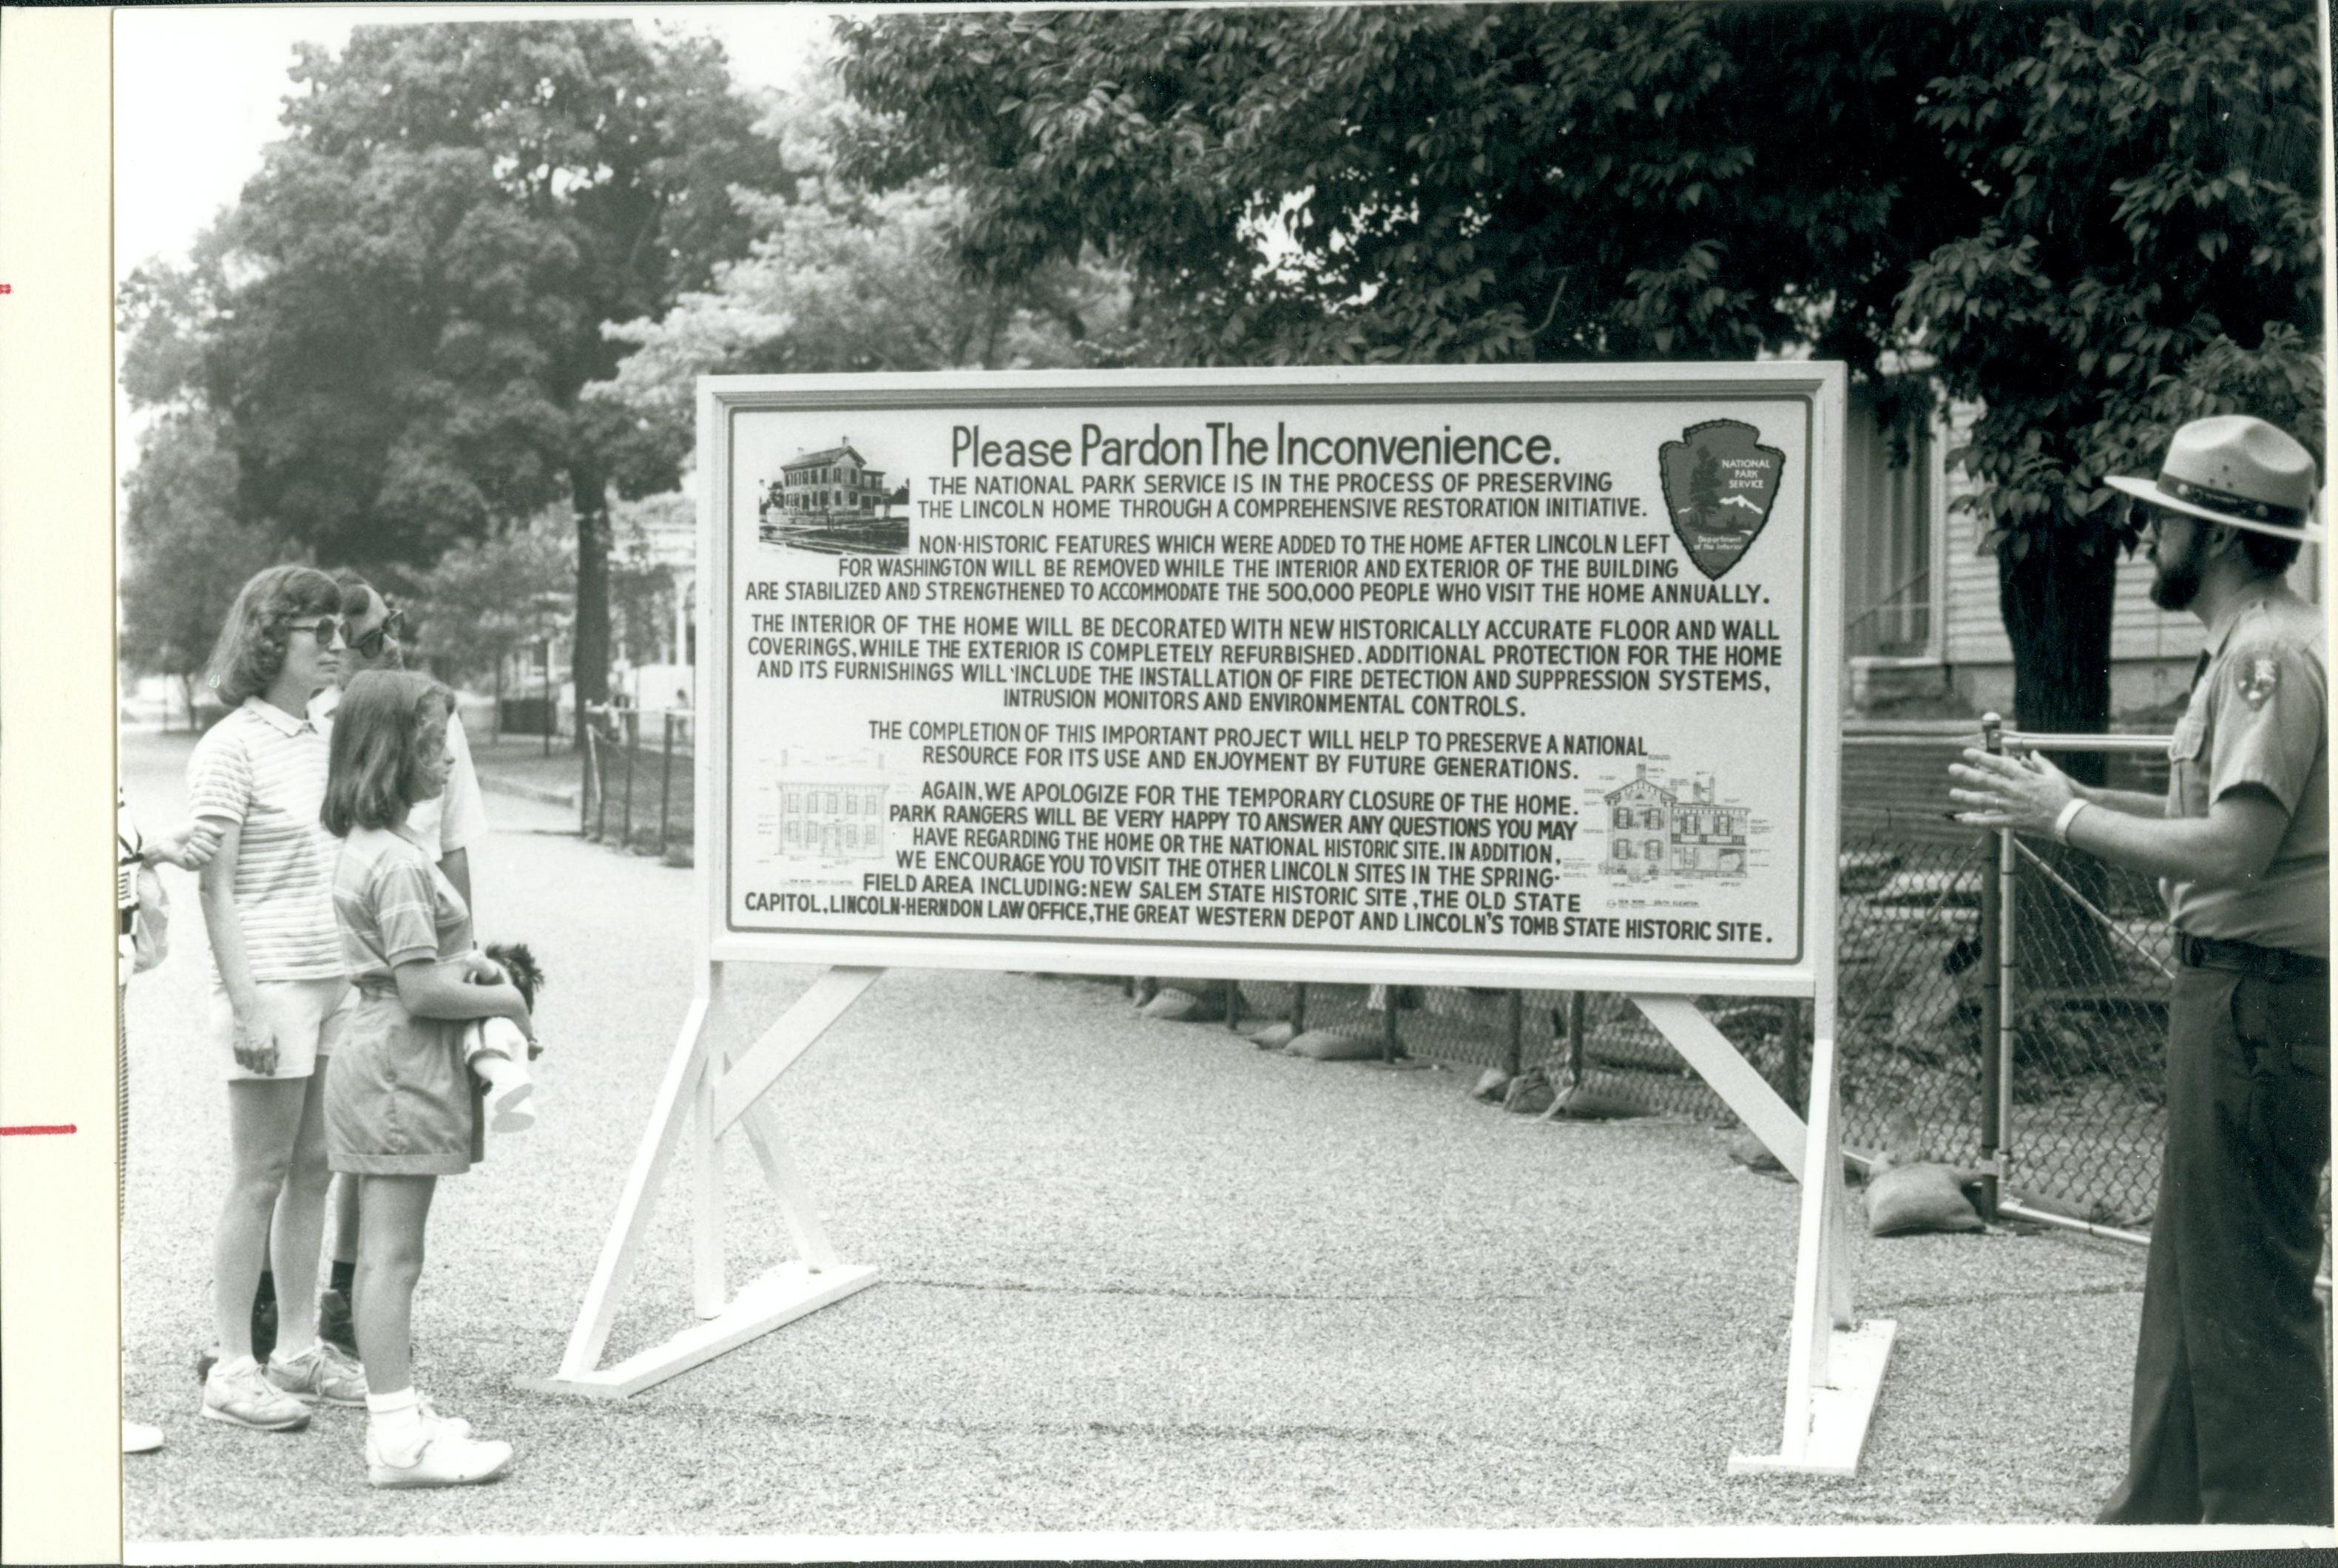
(1522, 675)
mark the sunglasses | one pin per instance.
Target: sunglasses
(372, 643)
(327, 628)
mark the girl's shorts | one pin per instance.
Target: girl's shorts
(398, 1100)
(307, 1015)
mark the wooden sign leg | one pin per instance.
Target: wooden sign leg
(1834, 1365)
(702, 1087)
(591, 1335)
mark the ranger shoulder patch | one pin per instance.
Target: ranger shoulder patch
(2257, 680)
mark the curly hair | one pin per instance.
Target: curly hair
(377, 733)
(249, 653)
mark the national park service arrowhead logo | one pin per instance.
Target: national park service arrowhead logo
(1719, 482)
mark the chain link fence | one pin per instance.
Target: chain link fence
(2076, 1120)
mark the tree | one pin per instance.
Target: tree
(1443, 183)
(2095, 219)
(840, 278)
(484, 598)
(185, 549)
(2148, 252)
(414, 284)
(1704, 482)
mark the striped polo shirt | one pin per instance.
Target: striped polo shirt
(394, 905)
(264, 770)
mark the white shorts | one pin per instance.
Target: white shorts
(307, 1015)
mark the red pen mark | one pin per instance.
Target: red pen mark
(35, 1132)
(7, 287)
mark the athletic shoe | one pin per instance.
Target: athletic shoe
(442, 1460)
(453, 1426)
(320, 1372)
(137, 1438)
(335, 1326)
(242, 1396)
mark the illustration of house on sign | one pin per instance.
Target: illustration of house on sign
(834, 482)
(831, 815)
(1651, 830)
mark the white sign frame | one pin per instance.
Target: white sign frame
(1835, 1363)
(1820, 386)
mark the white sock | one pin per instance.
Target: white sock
(290, 1350)
(228, 1366)
(396, 1424)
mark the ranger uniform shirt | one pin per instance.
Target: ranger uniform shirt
(2258, 717)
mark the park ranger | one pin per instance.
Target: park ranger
(2230, 1422)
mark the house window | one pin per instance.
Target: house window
(1890, 537)
(1657, 850)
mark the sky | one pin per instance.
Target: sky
(196, 91)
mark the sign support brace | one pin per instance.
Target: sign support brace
(704, 1093)
(1834, 1363)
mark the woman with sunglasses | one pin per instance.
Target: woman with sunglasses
(258, 776)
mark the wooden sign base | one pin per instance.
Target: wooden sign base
(1835, 1364)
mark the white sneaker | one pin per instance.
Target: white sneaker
(453, 1426)
(244, 1396)
(137, 1438)
(442, 1460)
(321, 1373)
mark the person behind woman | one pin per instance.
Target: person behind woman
(139, 903)
(400, 1112)
(258, 777)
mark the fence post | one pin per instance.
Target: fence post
(666, 783)
(1578, 1024)
(600, 777)
(630, 733)
(1515, 1029)
(1299, 1009)
(1993, 990)
(584, 782)
(2008, 1001)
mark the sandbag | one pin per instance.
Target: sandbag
(1590, 1103)
(1350, 1044)
(1172, 1005)
(1272, 1033)
(1906, 1199)
(1530, 1094)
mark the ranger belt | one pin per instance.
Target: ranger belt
(2274, 963)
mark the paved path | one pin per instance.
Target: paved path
(1139, 1276)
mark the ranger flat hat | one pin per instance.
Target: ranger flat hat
(2236, 469)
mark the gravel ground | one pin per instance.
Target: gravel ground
(1137, 1276)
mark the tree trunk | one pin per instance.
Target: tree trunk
(589, 493)
(2057, 604)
